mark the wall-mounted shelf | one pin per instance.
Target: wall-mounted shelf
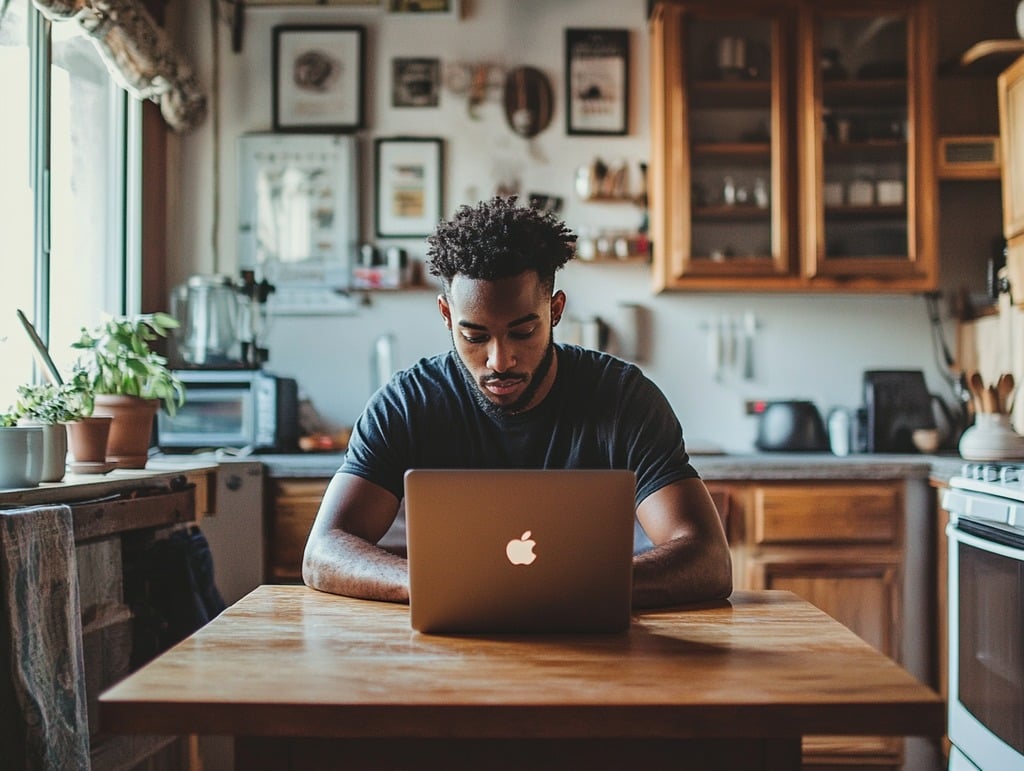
(984, 59)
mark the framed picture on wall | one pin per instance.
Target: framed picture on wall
(423, 7)
(415, 82)
(597, 81)
(318, 78)
(408, 173)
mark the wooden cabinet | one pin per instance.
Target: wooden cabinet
(295, 504)
(793, 145)
(838, 545)
(1011, 137)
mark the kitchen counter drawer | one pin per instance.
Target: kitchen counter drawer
(860, 513)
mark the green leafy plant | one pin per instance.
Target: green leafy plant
(8, 419)
(51, 404)
(118, 360)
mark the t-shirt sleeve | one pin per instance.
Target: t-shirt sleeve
(653, 436)
(378, 447)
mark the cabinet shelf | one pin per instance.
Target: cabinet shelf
(722, 212)
(732, 150)
(887, 92)
(867, 150)
(866, 212)
(732, 94)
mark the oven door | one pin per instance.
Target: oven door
(986, 643)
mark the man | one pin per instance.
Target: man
(507, 396)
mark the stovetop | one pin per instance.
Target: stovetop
(1002, 493)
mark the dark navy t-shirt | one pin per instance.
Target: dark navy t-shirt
(602, 412)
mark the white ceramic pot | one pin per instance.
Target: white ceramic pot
(55, 449)
(991, 438)
(21, 456)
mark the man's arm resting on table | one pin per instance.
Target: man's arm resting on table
(341, 555)
(690, 560)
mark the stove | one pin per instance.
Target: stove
(986, 617)
(1004, 480)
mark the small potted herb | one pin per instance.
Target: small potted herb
(130, 380)
(51, 406)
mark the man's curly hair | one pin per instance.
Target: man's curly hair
(499, 239)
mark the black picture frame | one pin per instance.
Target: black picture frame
(318, 78)
(409, 185)
(415, 82)
(596, 82)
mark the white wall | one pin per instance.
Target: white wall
(813, 347)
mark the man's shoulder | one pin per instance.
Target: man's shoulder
(426, 378)
(587, 361)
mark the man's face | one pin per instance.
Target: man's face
(501, 331)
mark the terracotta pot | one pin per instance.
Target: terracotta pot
(131, 429)
(87, 439)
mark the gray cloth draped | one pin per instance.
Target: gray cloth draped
(43, 718)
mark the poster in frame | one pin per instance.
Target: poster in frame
(415, 82)
(422, 8)
(597, 81)
(408, 172)
(318, 78)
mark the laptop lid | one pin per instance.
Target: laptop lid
(516, 550)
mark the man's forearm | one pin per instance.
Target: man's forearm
(341, 563)
(680, 571)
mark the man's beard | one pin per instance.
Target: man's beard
(536, 380)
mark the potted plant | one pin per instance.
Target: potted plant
(21, 452)
(50, 406)
(130, 381)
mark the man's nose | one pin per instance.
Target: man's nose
(500, 357)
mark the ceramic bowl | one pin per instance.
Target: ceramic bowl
(21, 456)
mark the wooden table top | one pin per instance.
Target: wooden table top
(291, 661)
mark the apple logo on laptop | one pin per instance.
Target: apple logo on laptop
(520, 550)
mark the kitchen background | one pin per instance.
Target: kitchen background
(806, 346)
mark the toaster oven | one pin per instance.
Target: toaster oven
(245, 410)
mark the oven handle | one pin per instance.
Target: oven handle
(955, 533)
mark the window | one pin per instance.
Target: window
(64, 167)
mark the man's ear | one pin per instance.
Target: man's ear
(445, 309)
(557, 306)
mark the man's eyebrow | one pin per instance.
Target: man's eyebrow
(515, 323)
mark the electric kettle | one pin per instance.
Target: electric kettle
(208, 309)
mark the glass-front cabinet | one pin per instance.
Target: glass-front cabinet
(792, 145)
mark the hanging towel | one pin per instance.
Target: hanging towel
(43, 719)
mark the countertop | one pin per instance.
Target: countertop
(78, 487)
(755, 466)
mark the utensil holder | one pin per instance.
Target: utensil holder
(991, 438)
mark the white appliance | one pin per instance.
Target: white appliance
(986, 617)
(235, 530)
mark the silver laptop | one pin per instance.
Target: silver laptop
(520, 550)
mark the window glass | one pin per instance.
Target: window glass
(16, 247)
(86, 190)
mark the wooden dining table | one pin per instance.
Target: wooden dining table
(307, 680)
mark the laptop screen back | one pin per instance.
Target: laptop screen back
(517, 550)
